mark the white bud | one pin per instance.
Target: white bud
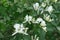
(26, 17)
(30, 18)
(37, 38)
(43, 4)
(36, 6)
(44, 28)
(21, 26)
(43, 24)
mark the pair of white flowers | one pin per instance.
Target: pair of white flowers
(42, 23)
(49, 8)
(19, 28)
(39, 20)
(31, 19)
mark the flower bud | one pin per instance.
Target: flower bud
(43, 24)
(44, 28)
(43, 4)
(36, 6)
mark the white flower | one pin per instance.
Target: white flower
(19, 28)
(43, 4)
(36, 6)
(38, 20)
(44, 28)
(41, 21)
(43, 24)
(34, 37)
(37, 38)
(16, 26)
(49, 9)
(47, 18)
(30, 18)
(27, 19)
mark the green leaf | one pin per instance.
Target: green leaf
(1, 35)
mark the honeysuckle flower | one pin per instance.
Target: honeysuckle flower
(27, 18)
(34, 37)
(38, 20)
(49, 9)
(41, 21)
(44, 28)
(36, 6)
(19, 28)
(30, 18)
(48, 18)
(43, 24)
(43, 4)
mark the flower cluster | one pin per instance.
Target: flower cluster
(43, 7)
(19, 28)
(39, 20)
(48, 8)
